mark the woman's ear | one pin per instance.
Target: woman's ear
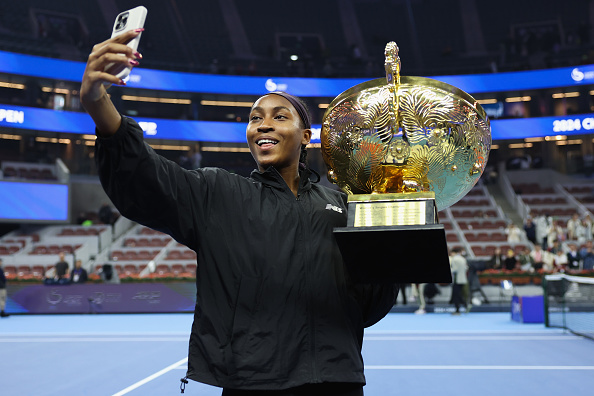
(306, 137)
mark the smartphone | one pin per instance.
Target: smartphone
(128, 20)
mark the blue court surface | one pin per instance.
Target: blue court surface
(405, 354)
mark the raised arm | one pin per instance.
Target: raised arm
(93, 94)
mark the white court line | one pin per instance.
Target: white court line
(472, 338)
(529, 331)
(93, 339)
(151, 377)
(100, 333)
(380, 367)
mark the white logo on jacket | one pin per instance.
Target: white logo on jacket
(334, 208)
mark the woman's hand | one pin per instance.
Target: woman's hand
(93, 95)
(112, 51)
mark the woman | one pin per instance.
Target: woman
(511, 262)
(275, 308)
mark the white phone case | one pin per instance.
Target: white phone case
(128, 20)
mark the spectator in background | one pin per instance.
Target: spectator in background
(185, 161)
(587, 223)
(514, 234)
(572, 225)
(3, 314)
(62, 269)
(497, 259)
(459, 279)
(418, 290)
(525, 260)
(538, 257)
(542, 223)
(109, 274)
(580, 232)
(510, 263)
(555, 233)
(401, 291)
(78, 274)
(574, 260)
(555, 247)
(106, 214)
(587, 256)
(559, 261)
(530, 230)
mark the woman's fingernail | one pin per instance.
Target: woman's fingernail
(138, 30)
(133, 62)
(138, 55)
(122, 82)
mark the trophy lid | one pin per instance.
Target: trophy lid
(405, 134)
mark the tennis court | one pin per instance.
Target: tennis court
(405, 354)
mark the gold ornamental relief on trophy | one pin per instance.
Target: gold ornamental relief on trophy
(404, 134)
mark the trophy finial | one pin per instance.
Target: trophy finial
(392, 63)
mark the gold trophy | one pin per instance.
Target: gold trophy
(403, 148)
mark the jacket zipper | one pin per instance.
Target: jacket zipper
(311, 304)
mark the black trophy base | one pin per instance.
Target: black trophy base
(395, 254)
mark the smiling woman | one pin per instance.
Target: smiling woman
(277, 134)
(288, 318)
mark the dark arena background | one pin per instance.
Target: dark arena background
(528, 324)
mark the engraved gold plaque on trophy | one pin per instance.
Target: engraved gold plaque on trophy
(403, 148)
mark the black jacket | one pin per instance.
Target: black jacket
(275, 308)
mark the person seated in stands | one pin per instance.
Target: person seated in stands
(587, 223)
(572, 225)
(78, 274)
(514, 234)
(548, 263)
(510, 263)
(497, 259)
(581, 231)
(109, 274)
(555, 247)
(62, 269)
(530, 230)
(587, 255)
(574, 260)
(555, 233)
(538, 257)
(542, 222)
(525, 260)
(106, 214)
(559, 261)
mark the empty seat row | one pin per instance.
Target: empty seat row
(532, 188)
(146, 242)
(473, 213)
(9, 249)
(54, 249)
(482, 225)
(29, 173)
(150, 231)
(133, 255)
(473, 202)
(80, 231)
(185, 254)
(36, 271)
(545, 201)
(485, 237)
(553, 211)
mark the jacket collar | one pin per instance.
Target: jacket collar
(272, 178)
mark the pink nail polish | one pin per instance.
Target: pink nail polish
(139, 30)
(122, 82)
(138, 55)
(133, 62)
